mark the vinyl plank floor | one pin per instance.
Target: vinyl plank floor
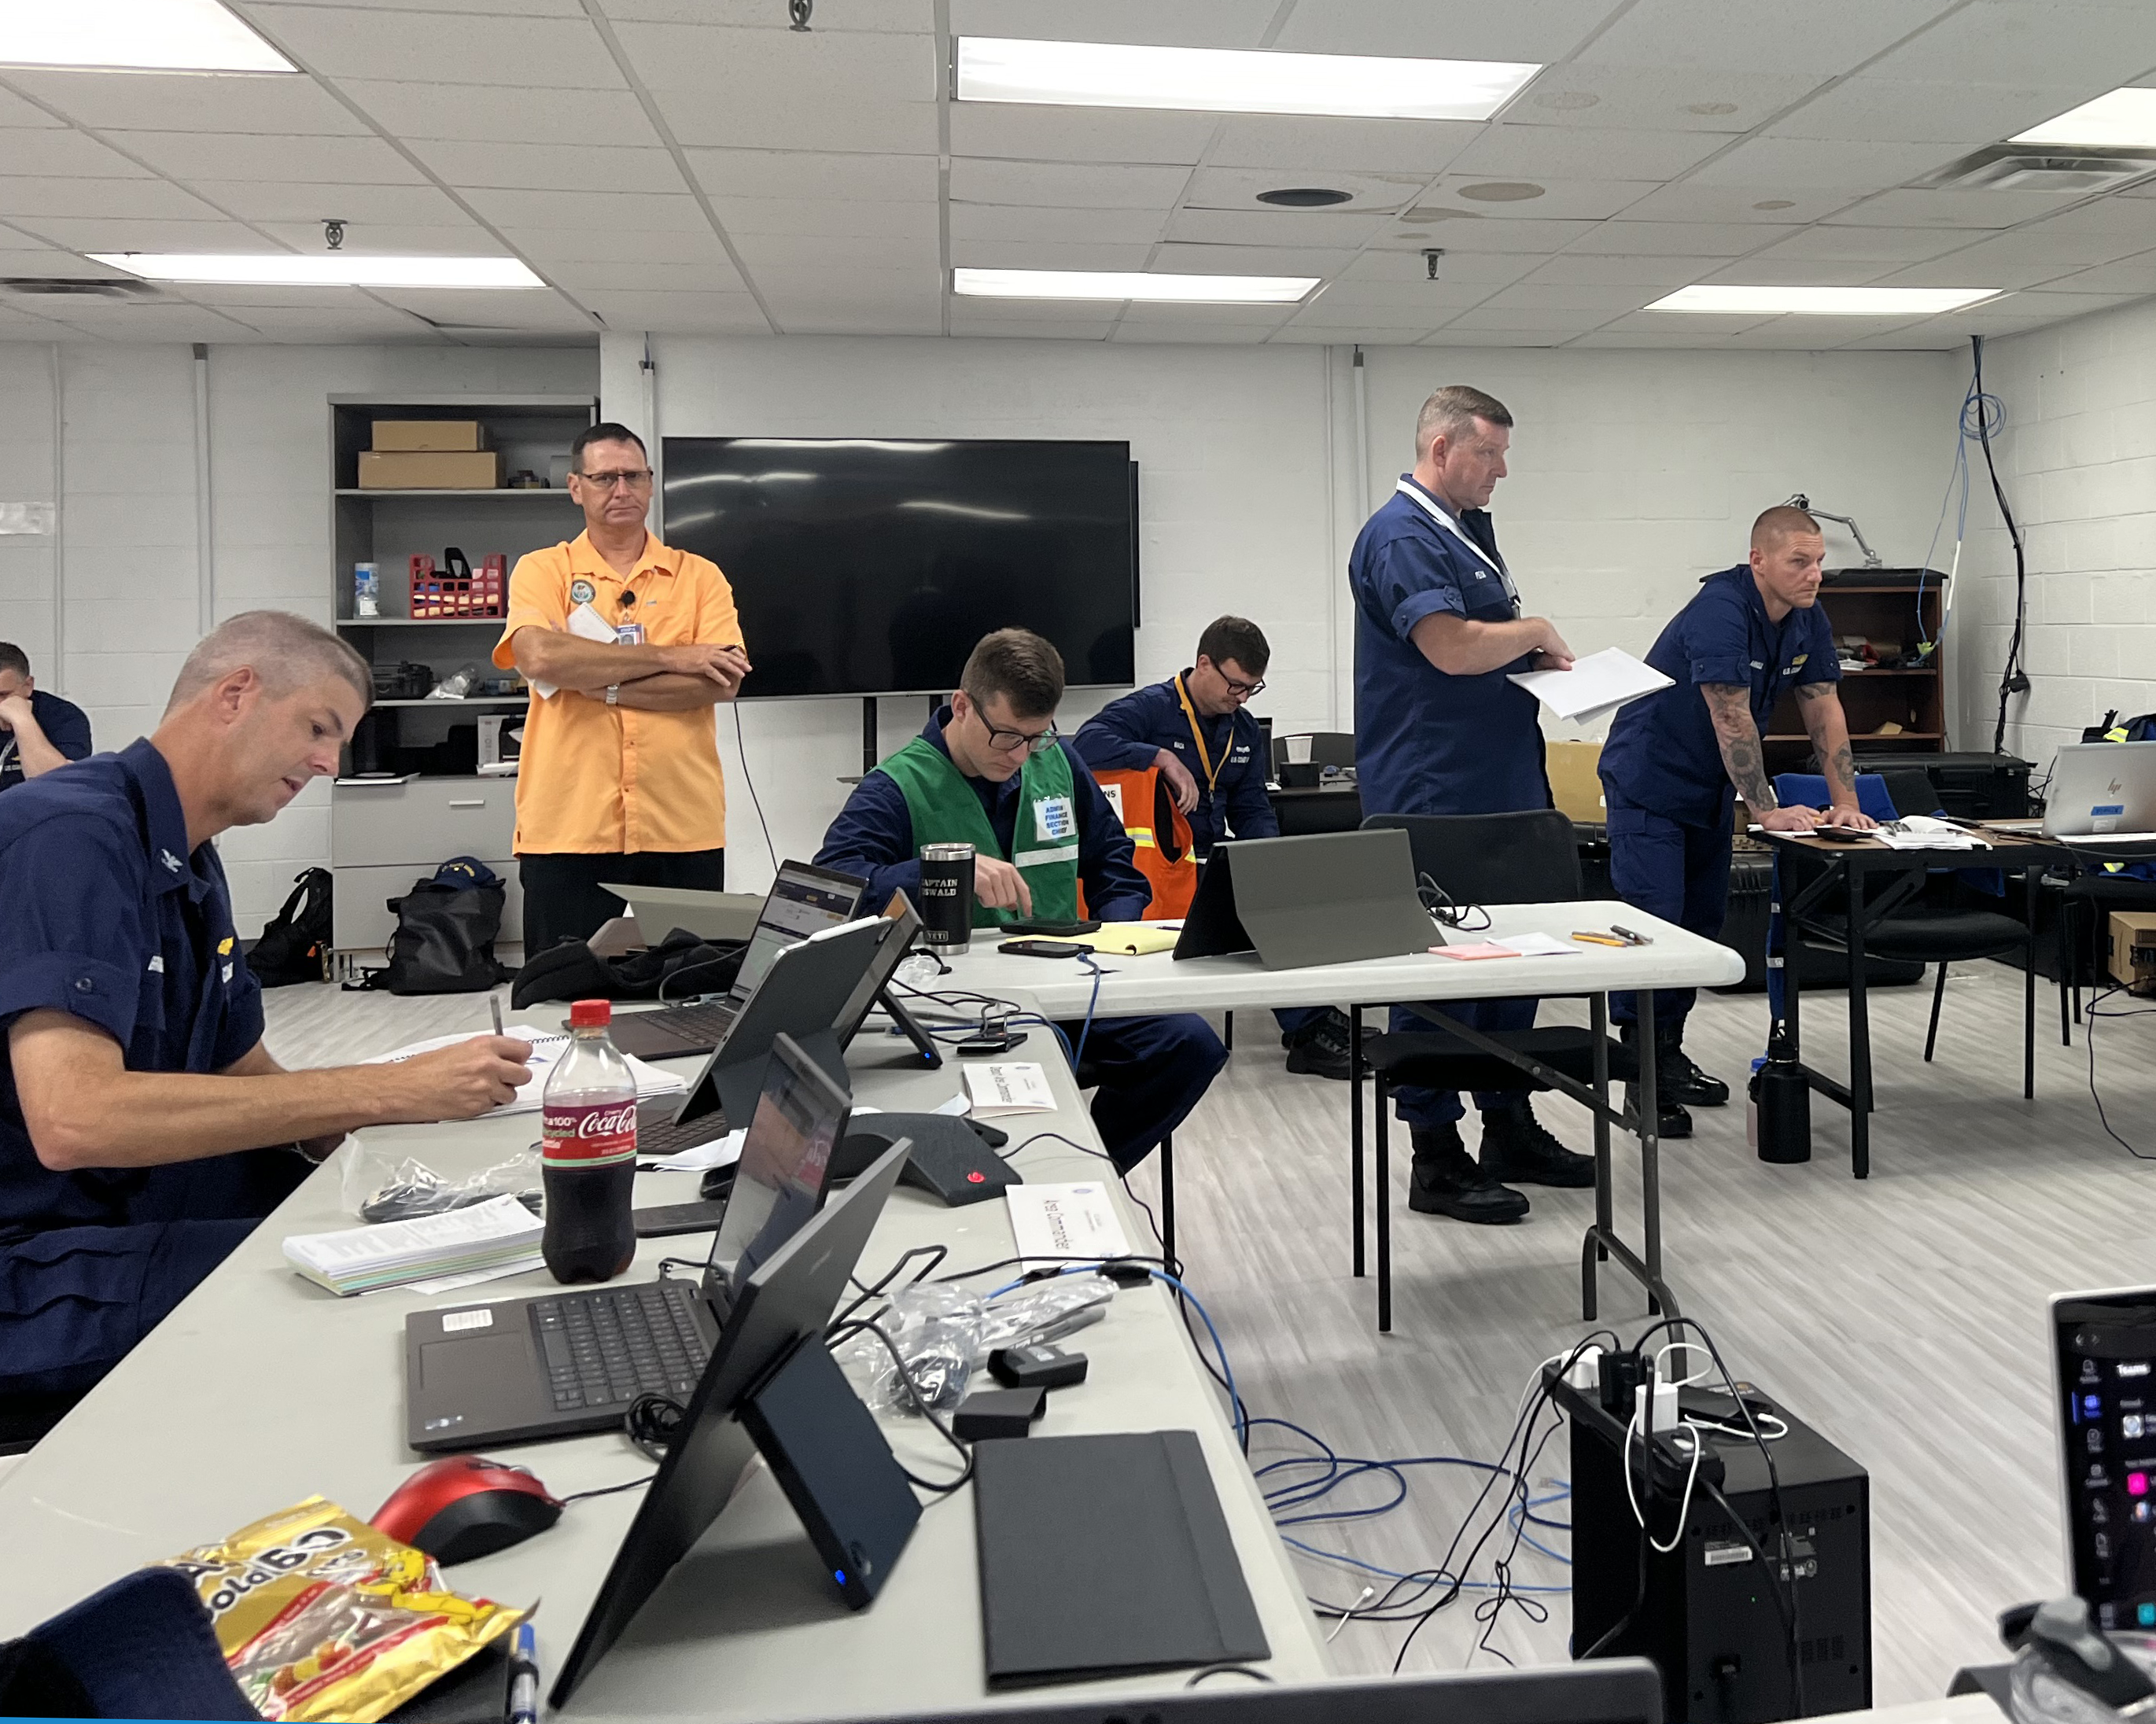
(1902, 1315)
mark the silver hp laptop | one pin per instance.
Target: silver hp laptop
(803, 900)
(2103, 1373)
(2105, 791)
(574, 1361)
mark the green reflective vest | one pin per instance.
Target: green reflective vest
(945, 810)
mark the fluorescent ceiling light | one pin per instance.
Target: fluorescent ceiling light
(333, 269)
(133, 36)
(1132, 285)
(1233, 80)
(2126, 118)
(1824, 301)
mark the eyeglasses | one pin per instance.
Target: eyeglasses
(1243, 691)
(1011, 741)
(636, 481)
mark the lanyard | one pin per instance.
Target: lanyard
(1204, 754)
(1413, 493)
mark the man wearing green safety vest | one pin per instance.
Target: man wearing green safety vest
(989, 770)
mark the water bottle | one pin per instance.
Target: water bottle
(587, 1152)
(1782, 1099)
(366, 590)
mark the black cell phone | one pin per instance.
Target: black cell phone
(1040, 948)
(1043, 925)
(663, 1220)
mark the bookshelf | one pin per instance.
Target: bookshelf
(1895, 614)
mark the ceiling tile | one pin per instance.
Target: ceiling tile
(175, 321)
(1914, 208)
(209, 156)
(848, 289)
(815, 174)
(1432, 300)
(685, 245)
(591, 277)
(160, 101)
(2114, 215)
(1804, 272)
(1238, 187)
(1974, 267)
(1188, 260)
(1092, 186)
(1690, 202)
(1778, 164)
(776, 117)
(363, 208)
(366, 321)
(1659, 98)
(87, 234)
(1047, 255)
(831, 218)
(566, 167)
(1666, 323)
(25, 150)
(1570, 296)
(1682, 239)
(1128, 333)
(1823, 36)
(2083, 42)
(858, 258)
(1492, 268)
(681, 313)
(1414, 147)
(463, 239)
(443, 48)
(17, 111)
(1537, 30)
(481, 311)
(1297, 227)
(20, 255)
(1020, 131)
(1588, 268)
(1515, 234)
(507, 8)
(1561, 323)
(2134, 275)
(1019, 222)
(1187, 23)
(1885, 245)
(604, 211)
(1053, 330)
(1562, 200)
(1261, 317)
(1884, 109)
(421, 110)
(840, 67)
(1562, 151)
(148, 199)
(1492, 338)
(885, 15)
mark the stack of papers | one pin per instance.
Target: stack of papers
(547, 1048)
(1515, 946)
(478, 1241)
(1595, 686)
(1053, 1221)
(1019, 1087)
(1926, 832)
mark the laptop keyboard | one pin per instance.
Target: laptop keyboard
(657, 1133)
(606, 1348)
(708, 1023)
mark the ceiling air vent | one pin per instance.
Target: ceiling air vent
(2033, 167)
(79, 287)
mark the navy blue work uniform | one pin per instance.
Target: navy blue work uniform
(66, 726)
(111, 919)
(1430, 743)
(1231, 769)
(1152, 1070)
(1669, 795)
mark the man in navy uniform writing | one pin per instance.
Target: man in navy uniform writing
(1193, 731)
(144, 1127)
(1752, 634)
(989, 770)
(1439, 731)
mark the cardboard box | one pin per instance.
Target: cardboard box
(2132, 956)
(1573, 785)
(430, 470)
(458, 436)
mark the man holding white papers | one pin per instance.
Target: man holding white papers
(1440, 730)
(144, 1127)
(1752, 634)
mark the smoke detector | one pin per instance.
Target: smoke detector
(2037, 167)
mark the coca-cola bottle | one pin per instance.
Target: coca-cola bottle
(588, 1152)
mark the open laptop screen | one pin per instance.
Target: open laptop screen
(804, 901)
(785, 1157)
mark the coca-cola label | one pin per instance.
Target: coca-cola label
(590, 1135)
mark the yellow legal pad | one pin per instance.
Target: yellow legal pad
(1124, 939)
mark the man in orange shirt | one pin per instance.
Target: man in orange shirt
(628, 645)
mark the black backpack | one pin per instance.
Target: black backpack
(446, 927)
(296, 942)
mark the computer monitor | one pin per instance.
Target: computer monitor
(2103, 1363)
(1606, 1690)
(779, 1182)
(784, 1301)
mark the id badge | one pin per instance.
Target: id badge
(1054, 819)
(628, 634)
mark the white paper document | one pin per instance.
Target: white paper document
(1595, 686)
(1020, 1086)
(1065, 1221)
(1539, 945)
(719, 1153)
(1926, 832)
(547, 1048)
(457, 1242)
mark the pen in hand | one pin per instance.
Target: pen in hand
(494, 1006)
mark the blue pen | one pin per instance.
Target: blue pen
(524, 1677)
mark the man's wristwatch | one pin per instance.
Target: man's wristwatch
(613, 694)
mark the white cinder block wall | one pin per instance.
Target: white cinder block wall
(2077, 456)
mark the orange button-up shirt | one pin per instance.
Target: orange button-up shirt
(608, 780)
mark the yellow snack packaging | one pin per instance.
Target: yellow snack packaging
(321, 1617)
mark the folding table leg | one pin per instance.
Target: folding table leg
(1355, 1125)
(2029, 988)
(1167, 1202)
(1860, 1036)
(1383, 1190)
(1651, 1149)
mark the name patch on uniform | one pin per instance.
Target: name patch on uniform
(228, 972)
(1114, 793)
(157, 966)
(581, 592)
(1054, 819)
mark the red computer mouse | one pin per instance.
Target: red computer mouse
(467, 1506)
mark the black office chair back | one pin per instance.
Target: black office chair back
(1911, 790)
(1529, 858)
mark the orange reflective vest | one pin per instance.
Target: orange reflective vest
(1160, 837)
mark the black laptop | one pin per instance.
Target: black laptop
(803, 900)
(574, 1361)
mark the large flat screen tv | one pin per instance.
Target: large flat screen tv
(871, 566)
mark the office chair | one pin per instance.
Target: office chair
(1530, 858)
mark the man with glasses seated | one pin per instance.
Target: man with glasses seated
(989, 770)
(1186, 764)
(628, 645)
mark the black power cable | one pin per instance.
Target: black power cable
(2013, 680)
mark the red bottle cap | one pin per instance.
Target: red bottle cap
(591, 1014)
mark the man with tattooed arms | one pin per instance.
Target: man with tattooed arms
(1753, 632)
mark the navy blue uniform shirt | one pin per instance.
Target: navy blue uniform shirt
(873, 836)
(66, 726)
(109, 918)
(1662, 753)
(1126, 734)
(1427, 742)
